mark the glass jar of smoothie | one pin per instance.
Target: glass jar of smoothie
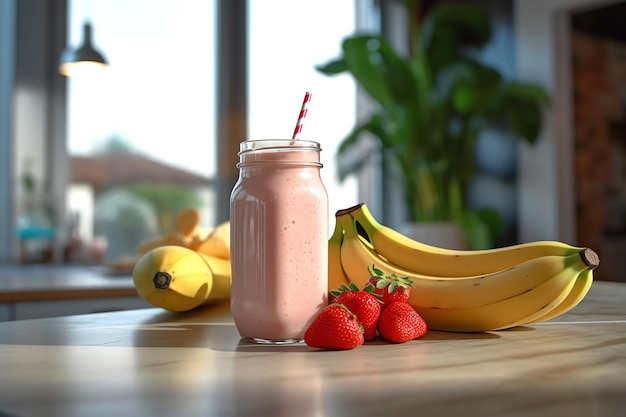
(279, 240)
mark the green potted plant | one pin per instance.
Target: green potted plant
(430, 108)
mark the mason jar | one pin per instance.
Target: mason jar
(279, 240)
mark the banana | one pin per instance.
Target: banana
(480, 302)
(179, 279)
(413, 255)
(336, 274)
(216, 243)
(212, 241)
(187, 221)
(461, 292)
(575, 296)
(504, 314)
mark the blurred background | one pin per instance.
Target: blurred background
(95, 164)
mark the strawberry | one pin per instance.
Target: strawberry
(399, 322)
(334, 327)
(363, 304)
(390, 288)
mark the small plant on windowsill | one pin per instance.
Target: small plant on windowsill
(430, 108)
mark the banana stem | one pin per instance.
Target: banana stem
(162, 280)
(590, 258)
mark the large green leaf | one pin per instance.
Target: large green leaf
(525, 119)
(521, 105)
(333, 67)
(527, 92)
(365, 63)
(467, 22)
(450, 27)
(464, 96)
(385, 75)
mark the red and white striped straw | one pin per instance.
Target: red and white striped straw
(303, 111)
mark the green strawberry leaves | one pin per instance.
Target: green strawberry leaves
(390, 281)
(352, 287)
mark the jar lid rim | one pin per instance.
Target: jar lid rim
(278, 144)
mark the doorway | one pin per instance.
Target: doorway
(598, 59)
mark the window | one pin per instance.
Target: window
(141, 133)
(154, 108)
(287, 39)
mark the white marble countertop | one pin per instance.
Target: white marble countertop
(153, 363)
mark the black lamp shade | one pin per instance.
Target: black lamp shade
(85, 56)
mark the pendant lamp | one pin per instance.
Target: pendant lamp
(82, 59)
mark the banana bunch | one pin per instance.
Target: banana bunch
(179, 279)
(464, 291)
(186, 269)
(189, 233)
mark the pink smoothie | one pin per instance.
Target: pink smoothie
(279, 240)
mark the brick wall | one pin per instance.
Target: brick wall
(599, 106)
